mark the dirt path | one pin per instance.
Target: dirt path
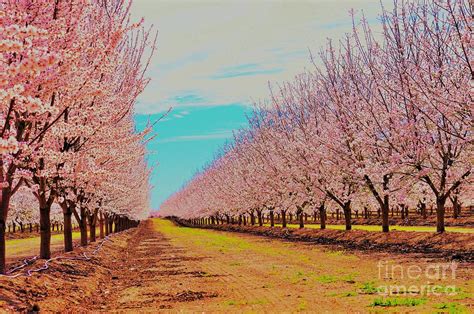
(159, 266)
(185, 269)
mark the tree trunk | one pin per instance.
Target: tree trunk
(106, 222)
(259, 217)
(110, 224)
(2, 246)
(68, 247)
(347, 215)
(322, 216)
(272, 219)
(385, 206)
(283, 218)
(440, 202)
(45, 235)
(92, 237)
(83, 227)
(301, 218)
(101, 227)
(456, 206)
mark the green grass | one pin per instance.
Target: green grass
(379, 228)
(349, 294)
(245, 302)
(326, 279)
(302, 267)
(451, 307)
(27, 246)
(389, 302)
(368, 288)
(302, 306)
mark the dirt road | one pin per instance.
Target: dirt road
(159, 266)
(168, 267)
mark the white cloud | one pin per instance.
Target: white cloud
(201, 137)
(202, 46)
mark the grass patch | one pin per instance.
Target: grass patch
(350, 278)
(377, 228)
(451, 307)
(302, 306)
(369, 288)
(343, 294)
(245, 302)
(230, 302)
(389, 302)
(349, 294)
(299, 277)
(462, 296)
(326, 279)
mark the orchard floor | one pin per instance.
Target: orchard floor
(27, 247)
(178, 269)
(379, 228)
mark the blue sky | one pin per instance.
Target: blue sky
(187, 139)
(214, 59)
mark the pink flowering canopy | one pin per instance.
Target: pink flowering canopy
(384, 121)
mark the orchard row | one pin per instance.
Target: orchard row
(383, 122)
(70, 73)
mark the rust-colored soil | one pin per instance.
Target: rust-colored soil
(160, 266)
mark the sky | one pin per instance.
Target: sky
(216, 59)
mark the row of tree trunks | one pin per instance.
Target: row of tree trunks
(56, 226)
(321, 215)
(242, 219)
(82, 217)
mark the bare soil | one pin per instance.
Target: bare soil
(162, 267)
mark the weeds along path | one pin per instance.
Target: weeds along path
(187, 269)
